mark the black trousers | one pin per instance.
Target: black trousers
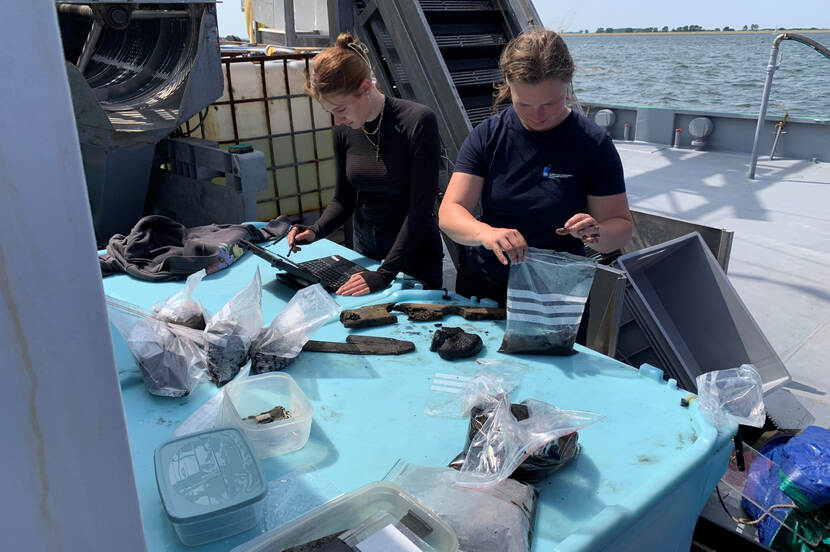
(425, 263)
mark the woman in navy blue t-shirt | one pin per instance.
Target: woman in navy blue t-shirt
(546, 176)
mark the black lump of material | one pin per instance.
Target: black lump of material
(226, 351)
(558, 342)
(164, 358)
(452, 343)
(195, 321)
(262, 362)
(166, 373)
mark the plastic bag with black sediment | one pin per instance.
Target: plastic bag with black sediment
(546, 297)
(279, 344)
(230, 332)
(181, 308)
(503, 442)
(497, 519)
(169, 356)
(537, 466)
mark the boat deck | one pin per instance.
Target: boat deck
(780, 259)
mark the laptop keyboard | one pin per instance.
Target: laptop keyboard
(333, 275)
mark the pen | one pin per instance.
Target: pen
(289, 245)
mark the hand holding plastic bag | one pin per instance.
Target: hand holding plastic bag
(734, 394)
(546, 297)
(230, 332)
(171, 361)
(503, 442)
(279, 344)
(181, 308)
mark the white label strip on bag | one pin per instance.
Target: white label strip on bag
(524, 294)
(449, 383)
(388, 539)
(545, 308)
(547, 314)
(546, 320)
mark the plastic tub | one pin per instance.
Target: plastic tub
(700, 323)
(257, 394)
(211, 484)
(375, 510)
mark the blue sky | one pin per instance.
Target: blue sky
(575, 15)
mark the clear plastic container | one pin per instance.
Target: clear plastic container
(211, 484)
(374, 517)
(254, 395)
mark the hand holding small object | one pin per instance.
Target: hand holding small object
(581, 226)
(299, 235)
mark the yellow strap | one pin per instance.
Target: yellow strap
(249, 22)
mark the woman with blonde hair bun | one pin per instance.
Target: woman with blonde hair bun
(387, 153)
(545, 175)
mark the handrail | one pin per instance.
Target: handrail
(768, 85)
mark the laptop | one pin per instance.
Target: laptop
(331, 272)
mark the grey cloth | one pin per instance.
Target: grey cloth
(159, 249)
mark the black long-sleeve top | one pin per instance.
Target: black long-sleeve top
(393, 196)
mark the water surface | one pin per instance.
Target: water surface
(713, 72)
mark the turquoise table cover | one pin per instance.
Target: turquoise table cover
(644, 474)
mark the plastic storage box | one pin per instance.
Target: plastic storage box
(375, 517)
(257, 394)
(211, 484)
(698, 321)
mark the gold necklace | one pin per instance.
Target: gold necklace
(375, 145)
(366, 133)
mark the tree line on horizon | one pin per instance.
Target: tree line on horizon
(684, 29)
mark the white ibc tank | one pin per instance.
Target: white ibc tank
(286, 115)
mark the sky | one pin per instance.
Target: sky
(576, 15)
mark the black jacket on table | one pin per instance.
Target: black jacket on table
(159, 249)
(391, 192)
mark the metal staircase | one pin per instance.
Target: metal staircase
(442, 53)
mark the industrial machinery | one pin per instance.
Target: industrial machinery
(137, 71)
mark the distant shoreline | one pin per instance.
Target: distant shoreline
(671, 33)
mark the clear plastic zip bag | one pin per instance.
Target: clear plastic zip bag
(496, 519)
(230, 332)
(733, 395)
(279, 344)
(170, 358)
(546, 297)
(453, 395)
(181, 308)
(552, 456)
(504, 442)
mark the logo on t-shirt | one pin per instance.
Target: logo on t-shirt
(546, 173)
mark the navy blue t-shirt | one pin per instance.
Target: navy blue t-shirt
(535, 181)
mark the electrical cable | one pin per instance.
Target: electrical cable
(746, 521)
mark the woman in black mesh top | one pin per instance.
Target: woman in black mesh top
(387, 152)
